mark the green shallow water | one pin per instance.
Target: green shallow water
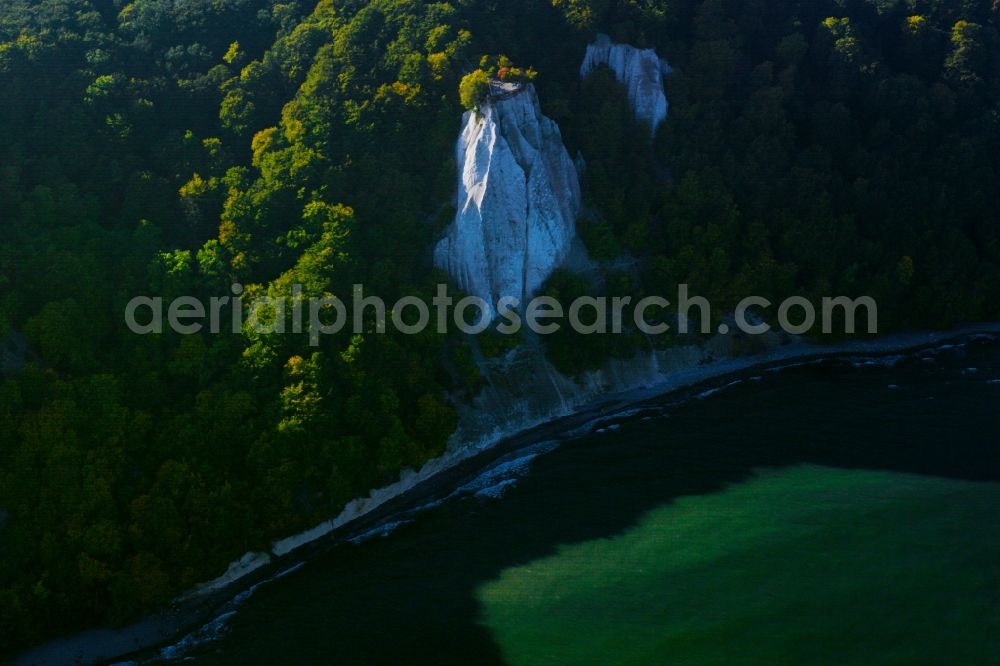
(802, 566)
(832, 514)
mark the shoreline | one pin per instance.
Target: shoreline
(193, 609)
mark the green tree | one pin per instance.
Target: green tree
(474, 89)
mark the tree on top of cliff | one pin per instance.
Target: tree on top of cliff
(475, 86)
(502, 68)
(474, 89)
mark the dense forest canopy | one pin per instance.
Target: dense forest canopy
(814, 147)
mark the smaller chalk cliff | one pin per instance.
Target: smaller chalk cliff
(518, 197)
(641, 71)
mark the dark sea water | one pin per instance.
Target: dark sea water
(841, 512)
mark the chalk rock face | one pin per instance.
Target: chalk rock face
(641, 71)
(518, 197)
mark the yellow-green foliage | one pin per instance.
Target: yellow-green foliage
(474, 89)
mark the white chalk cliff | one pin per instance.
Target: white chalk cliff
(641, 71)
(518, 197)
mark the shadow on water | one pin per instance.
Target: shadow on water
(411, 598)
